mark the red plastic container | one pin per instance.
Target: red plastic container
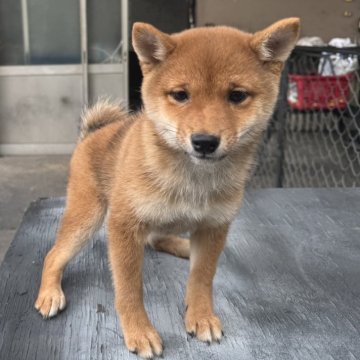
(315, 92)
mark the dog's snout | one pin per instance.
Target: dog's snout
(204, 143)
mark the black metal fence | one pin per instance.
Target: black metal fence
(313, 139)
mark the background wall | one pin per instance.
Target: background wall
(324, 18)
(169, 16)
(41, 80)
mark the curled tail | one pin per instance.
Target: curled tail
(99, 115)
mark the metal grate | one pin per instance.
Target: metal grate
(313, 139)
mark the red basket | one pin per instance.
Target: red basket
(307, 92)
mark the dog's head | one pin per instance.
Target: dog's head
(208, 89)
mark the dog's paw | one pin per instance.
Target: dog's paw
(50, 302)
(206, 328)
(145, 342)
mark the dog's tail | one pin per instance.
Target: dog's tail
(99, 115)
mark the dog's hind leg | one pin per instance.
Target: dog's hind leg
(171, 244)
(84, 214)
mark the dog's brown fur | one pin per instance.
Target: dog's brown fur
(143, 171)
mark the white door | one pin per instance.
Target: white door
(55, 57)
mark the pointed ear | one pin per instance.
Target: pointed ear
(150, 44)
(276, 42)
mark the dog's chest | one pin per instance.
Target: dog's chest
(186, 202)
(184, 215)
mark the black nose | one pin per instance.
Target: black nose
(205, 144)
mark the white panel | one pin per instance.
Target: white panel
(108, 85)
(36, 149)
(40, 109)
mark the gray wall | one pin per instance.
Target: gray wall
(168, 15)
(324, 18)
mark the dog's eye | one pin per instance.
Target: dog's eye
(180, 96)
(237, 96)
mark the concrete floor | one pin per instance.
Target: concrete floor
(22, 180)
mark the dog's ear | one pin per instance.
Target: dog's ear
(150, 44)
(276, 42)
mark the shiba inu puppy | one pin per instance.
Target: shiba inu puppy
(180, 165)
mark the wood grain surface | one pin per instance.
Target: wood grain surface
(287, 286)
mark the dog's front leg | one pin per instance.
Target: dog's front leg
(126, 252)
(206, 245)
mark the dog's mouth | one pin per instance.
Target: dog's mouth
(207, 158)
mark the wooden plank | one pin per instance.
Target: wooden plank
(287, 286)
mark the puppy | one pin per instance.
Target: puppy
(180, 165)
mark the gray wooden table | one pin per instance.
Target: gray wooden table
(287, 286)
